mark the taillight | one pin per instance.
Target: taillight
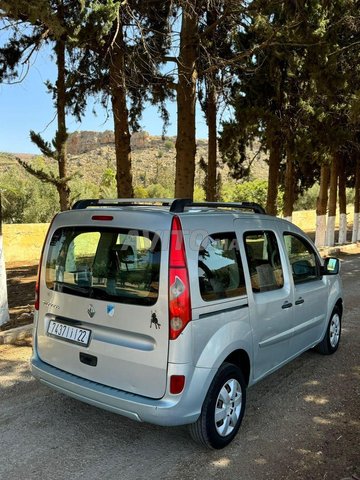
(179, 288)
(177, 384)
(37, 285)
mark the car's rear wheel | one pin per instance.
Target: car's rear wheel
(223, 409)
(330, 343)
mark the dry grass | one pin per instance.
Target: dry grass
(22, 242)
(306, 219)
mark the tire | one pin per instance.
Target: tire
(226, 398)
(330, 343)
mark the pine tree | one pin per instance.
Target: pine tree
(121, 46)
(53, 23)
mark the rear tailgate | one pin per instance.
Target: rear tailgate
(103, 311)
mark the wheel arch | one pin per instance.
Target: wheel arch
(241, 359)
(340, 305)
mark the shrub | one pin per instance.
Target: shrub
(168, 145)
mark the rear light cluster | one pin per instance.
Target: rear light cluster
(179, 288)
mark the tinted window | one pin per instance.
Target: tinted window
(303, 259)
(117, 265)
(263, 258)
(220, 269)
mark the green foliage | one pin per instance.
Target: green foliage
(108, 184)
(43, 146)
(300, 90)
(82, 189)
(307, 201)
(140, 192)
(199, 194)
(254, 191)
(168, 145)
(158, 191)
(155, 190)
(294, 88)
(27, 200)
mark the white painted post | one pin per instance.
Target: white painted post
(320, 234)
(355, 231)
(342, 229)
(4, 309)
(330, 233)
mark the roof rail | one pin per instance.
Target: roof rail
(176, 205)
(179, 204)
(121, 202)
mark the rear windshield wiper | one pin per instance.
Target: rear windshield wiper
(69, 288)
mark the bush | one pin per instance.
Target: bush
(199, 194)
(26, 199)
(158, 191)
(168, 145)
(254, 191)
(140, 192)
(307, 201)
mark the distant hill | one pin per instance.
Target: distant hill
(153, 158)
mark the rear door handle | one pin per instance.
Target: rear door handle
(90, 360)
(286, 305)
(299, 301)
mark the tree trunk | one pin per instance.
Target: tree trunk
(273, 178)
(211, 111)
(321, 206)
(289, 194)
(330, 232)
(61, 134)
(342, 205)
(120, 113)
(356, 231)
(186, 100)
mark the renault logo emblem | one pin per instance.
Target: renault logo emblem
(91, 311)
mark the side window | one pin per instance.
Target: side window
(220, 269)
(263, 258)
(303, 259)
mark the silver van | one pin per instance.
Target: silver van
(165, 311)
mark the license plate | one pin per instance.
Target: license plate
(80, 336)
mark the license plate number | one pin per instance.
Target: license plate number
(80, 336)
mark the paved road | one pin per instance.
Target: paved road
(303, 422)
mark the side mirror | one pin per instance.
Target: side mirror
(331, 266)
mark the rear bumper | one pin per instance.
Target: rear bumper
(170, 410)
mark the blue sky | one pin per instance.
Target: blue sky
(27, 106)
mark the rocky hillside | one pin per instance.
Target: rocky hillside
(85, 141)
(153, 158)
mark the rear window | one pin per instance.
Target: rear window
(105, 264)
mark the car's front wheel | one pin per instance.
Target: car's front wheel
(222, 410)
(330, 343)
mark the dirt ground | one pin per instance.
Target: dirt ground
(21, 279)
(301, 423)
